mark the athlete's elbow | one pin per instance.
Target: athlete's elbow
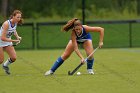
(101, 29)
(3, 39)
(75, 49)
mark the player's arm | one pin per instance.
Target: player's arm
(17, 36)
(96, 29)
(74, 42)
(4, 32)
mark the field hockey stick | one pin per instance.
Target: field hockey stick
(71, 73)
(16, 44)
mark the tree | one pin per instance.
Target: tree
(138, 7)
(4, 6)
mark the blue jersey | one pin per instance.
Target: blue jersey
(83, 37)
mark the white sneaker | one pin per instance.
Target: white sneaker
(6, 68)
(50, 72)
(90, 71)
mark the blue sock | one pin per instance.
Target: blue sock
(90, 63)
(57, 63)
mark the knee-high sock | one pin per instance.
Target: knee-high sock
(57, 63)
(90, 63)
(8, 62)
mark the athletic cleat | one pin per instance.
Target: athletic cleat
(90, 71)
(6, 68)
(50, 72)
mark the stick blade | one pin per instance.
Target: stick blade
(69, 73)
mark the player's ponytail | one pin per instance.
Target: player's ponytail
(70, 24)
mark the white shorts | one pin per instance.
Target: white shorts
(3, 43)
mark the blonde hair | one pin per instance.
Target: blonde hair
(14, 14)
(70, 24)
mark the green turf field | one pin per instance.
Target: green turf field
(116, 71)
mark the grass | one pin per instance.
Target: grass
(116, 71)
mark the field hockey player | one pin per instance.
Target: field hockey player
(8, 29)
(79, 35)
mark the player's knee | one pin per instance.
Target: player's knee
(65, 56)
(13, 59)
(90, 58)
